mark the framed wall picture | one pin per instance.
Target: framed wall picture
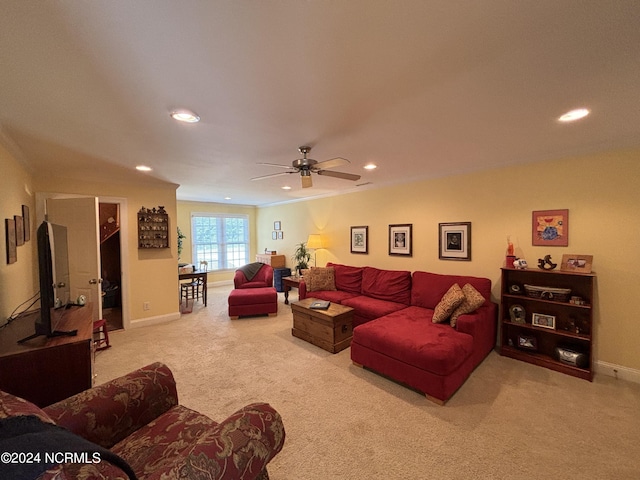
(544, 321)
(360, 240)
(19, 230)
(576, 263)
(10, 230)
(277, 225)
(280, 234)
(401, 239)
(26, 220)
(550, 228)
(454, 241)
(274, 235)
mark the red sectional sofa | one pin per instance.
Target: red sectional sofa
(393, 329)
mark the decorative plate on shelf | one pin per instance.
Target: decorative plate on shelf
(517, 314)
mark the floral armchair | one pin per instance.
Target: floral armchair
(138, 418)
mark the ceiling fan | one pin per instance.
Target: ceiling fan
(306, 166)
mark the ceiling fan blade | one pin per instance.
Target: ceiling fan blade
(334, 162)
(275, 165)
(344, 176)
(271, 175)
(306, 181)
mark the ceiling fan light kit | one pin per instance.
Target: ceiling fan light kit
(306, 166)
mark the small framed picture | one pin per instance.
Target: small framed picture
(576, 263)
(280, 235)
(528, 343)
(27, 223)
(401, 239)
(550, 228)
(276, 225)
(455, 241)
(10, 230)
(274, 235)
(544, 321)
(360, 240)
(19, 230)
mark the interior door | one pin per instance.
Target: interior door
(80, 216)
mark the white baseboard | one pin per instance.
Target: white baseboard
(617, 371)
(145, 322)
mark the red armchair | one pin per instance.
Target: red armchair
(263, 278)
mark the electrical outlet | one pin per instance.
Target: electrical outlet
(146, 306)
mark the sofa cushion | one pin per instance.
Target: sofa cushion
(318, 278)
(11, 406)
(335, 296)
(391, 285)
(448, 303)
(370, 308)
(347, 278)
(472, 301)
(410, 336)
(428, 288)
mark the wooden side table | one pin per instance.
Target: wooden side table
(287, 284)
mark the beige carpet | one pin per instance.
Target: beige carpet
(510, 420)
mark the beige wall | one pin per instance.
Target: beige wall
(152, 273)
(600, 192)
(18, 281)
(186, 209)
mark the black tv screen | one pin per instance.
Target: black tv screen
(53, 269)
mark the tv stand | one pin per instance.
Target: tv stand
(48, 369)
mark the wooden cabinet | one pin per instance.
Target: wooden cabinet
(561, 335)
(153, 228)
(276, 261)
(46, 370)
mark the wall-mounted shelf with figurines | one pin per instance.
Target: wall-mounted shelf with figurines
(153, 228)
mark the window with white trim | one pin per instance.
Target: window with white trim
(221, 240)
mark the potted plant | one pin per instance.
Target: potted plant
(301, 257)
(180, 237)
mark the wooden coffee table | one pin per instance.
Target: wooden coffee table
(287, 284)
(329, 329)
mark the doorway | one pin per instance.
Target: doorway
(111, 264)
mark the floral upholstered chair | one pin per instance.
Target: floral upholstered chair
(138, 418)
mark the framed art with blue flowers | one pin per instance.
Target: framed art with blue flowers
(550, 228)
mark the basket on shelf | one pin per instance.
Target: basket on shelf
(548, 293)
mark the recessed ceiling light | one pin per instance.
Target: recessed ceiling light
(227, 198)
(286, 187)
(143, 168)
(574, 115)
(184, 115)
(370, 166)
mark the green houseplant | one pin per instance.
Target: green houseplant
(180, 237)
(301, 257)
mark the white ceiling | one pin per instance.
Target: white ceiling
(422, 88)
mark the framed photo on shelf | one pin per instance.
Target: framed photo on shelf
(277, 225)
(550, 228)
(401, 239)
(454, 241)
(544, 321)
(360, 239)
(528, 343)
(576, 263)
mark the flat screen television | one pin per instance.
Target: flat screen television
(53, 268)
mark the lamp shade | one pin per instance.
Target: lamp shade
(314, 241)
